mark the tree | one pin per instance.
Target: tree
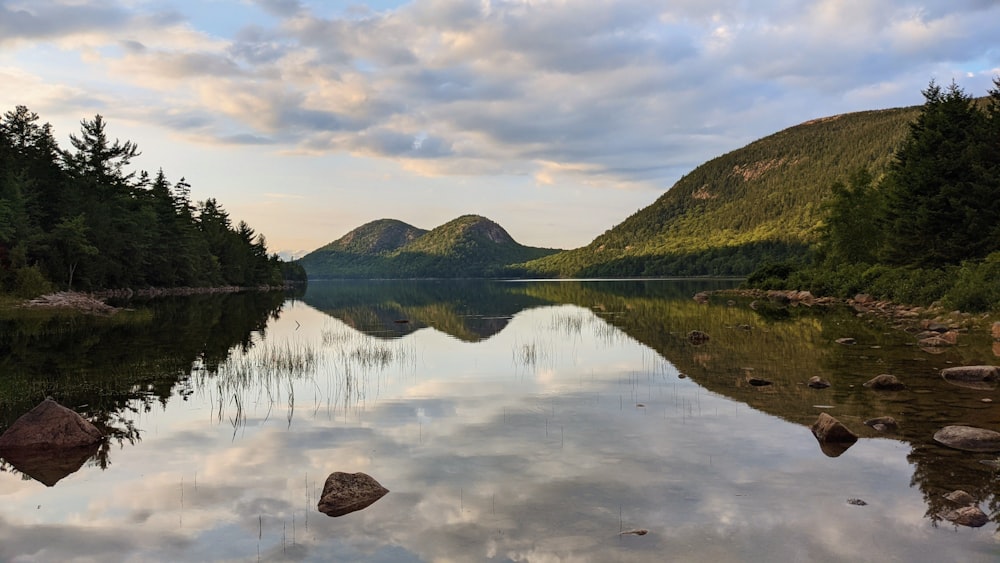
(941, 206)
(70, 242)
(851, 233)
(96, 157)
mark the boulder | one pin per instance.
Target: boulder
(701, 297)
(344, 493)
(970, 516)
(50, 425)
(817, 383)
(834, 438)
(995, 330)
(883, 423)
(885, 382)
(846, 341)
(968, 438)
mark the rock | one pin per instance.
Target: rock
(951, 337)
(779, 297)
(50, 425)
(995, 330)
(970, 516)
(698, 337)
(757, 381)
(935, 326)
(981, 378)
(636, 532)
(804, 297)
(863, 298)
(968, 438)
(856, 502)
(816, 383)
(882, 423)
(971, 373)
(701, 297)
(934, 342)
(834, 438)
(846, 341)
(885, 382)
(961, 498)
(344, 493)
(927, 334)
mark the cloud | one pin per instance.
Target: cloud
(599, 93)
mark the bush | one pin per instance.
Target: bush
(977, 286)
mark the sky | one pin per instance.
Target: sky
(557, 119)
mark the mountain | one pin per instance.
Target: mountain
(470, 246)
(763, 202)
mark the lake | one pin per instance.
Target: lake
(510, 421)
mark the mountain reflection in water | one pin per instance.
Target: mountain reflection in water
(510, 420)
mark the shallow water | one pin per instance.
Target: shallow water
(511, 421)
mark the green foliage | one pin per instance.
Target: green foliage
(930, 230)
(81, 219)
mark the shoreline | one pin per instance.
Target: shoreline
(96, 302)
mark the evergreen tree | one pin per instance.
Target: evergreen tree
(941, 206)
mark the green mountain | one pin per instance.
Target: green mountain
(763, 202)
(470, 246)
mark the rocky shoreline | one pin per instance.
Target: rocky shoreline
(96, 303)
(913, 319)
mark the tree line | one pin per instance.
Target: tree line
(929, 227)
(80, 218)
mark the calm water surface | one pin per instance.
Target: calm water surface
(521, 421)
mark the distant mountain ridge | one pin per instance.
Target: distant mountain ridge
(470, 246)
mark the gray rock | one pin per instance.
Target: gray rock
(344, 493)
(970, 516)
(885, 382)
(50, 425)
(968, 438)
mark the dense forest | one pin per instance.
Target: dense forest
(79, 218)
(929, 228)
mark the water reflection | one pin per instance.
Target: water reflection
(544, 441)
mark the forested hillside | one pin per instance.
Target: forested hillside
(78, 218)
(760, 203)
(926, 230)
(470, 246)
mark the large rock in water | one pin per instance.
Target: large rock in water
(885, 382)
(50, 425)
(834, 438)
(968, 438)
(344, 493)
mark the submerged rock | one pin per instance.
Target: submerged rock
(50, 425)
(698, 337)
(885, 382)
(344, 493)
(817, 383)
(856, 502)
(968, 438)
(971, 373)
